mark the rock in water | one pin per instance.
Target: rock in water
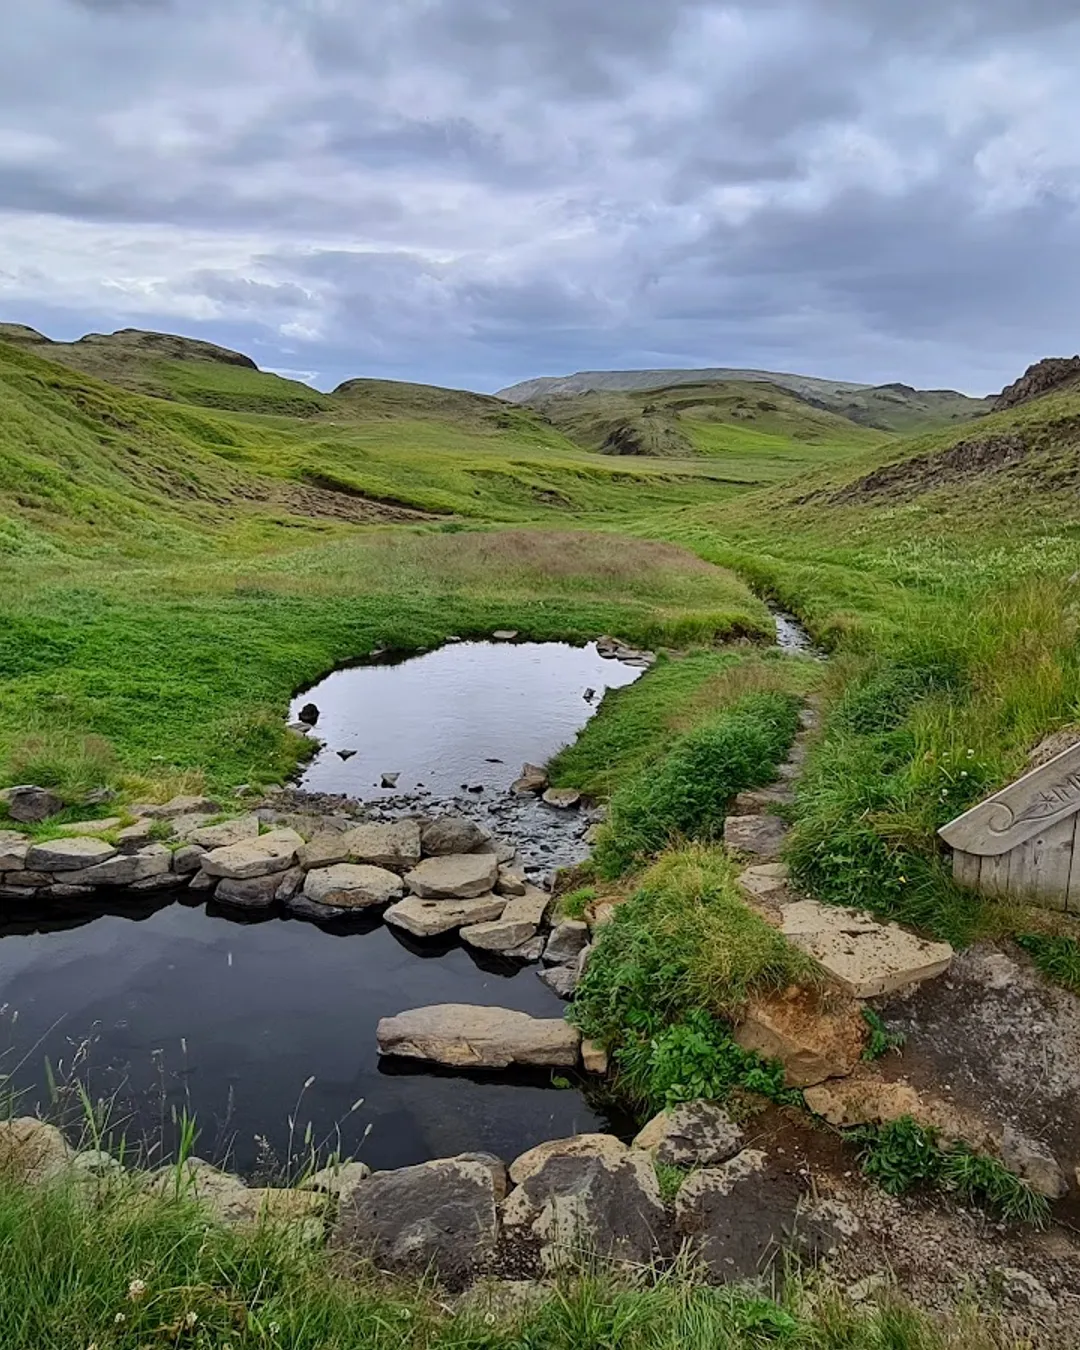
(430, 918)
(562, 798)
(567, 942)
(390, 780)
(440, 1216)
(346, 754)
(463, 1036)
(452, 835)
(532, 782)
(308, 714)
(351, 886)
(458, 877)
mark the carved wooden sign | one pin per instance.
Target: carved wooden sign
(1025, 840)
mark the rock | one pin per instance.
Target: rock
(393, 845)
(1023, 1290)
(760, 837)
(762, 800)
(1039, 378)
(13, 850)
(181, 806)
(530, 951)
(273, 852)
(301, 907)
(587, 1197)
(456, 877)
(814, 1036)
(188, 860)
(390, 780)
(766, 883)
(695, 1134)
(438, 1217)
(464, 1036)
(167, 881)
(308, 715)
(346, 755)
(99, 796)
(864, 957)
(594, 1057)
(232, 1203)
(288, 883)
(68, 855)
(339, 1181)
(736, 1217)
(133, 837)
(31, 1151)
(562, 798)
(325, 850)
(352, 886)
(252, 893)
(505, 634)
(30, 805)
(92, 827)
(566, 942)
(532, 782)
(509, 883)
(125, 869)
(452, 835)
(562, 980)
(1034, 1162)
(529, 907)
(867, 1099)
(66, 891)
(202, 882)
(499, 935)
(430, 918)
(228, 832)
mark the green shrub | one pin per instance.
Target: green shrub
(901, 1155)
(687, 793)
(881, 1039)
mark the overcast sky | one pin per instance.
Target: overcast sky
(473, 192)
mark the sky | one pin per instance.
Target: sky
(475, 192)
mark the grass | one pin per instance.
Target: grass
(1057, 957)
(156, 1274)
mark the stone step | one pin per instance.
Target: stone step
(761, 801)
(760, 837)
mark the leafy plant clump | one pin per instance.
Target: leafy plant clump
(687, 793)
(881, 1039)
(904, 1155)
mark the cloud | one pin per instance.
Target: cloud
(475, 191)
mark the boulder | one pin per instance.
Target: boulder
(455, 877)
(529, 907)
(864, 957)
(288, 883)
(760, 837)
(30, 805)
(300, 907)
(695, 1134)
(13, 850)
(509, 883)
(815, 1036)
(562, 980)
(31, 1151)
(566, 943)
(186, 861)
(125, 868)
(252, 893)
(430, 918)
(532, 782)
(867, 1099)
(68, 855)
(463, 1036)
(587, 1197)
(564, 799)
(352, 886)
(324, 850)
(500, 935)
(439, 1217)
(231, 1202)
(1034, 1162)
(452, 835)
(339, 1180)
(530, 951)
(395, 844)
(133, 837)
(273, 852)
(226, 833)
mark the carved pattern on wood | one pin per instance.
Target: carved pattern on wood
(1047, 795)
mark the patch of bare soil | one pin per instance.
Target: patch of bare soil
(968, 459)
(327, 504)
(997, 1040)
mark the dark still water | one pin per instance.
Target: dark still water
(187, 1007)
(466, 714)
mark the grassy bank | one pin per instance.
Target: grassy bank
(145, 1276)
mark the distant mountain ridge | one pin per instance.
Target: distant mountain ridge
(887, 407)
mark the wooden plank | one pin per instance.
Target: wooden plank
(1040, 868)
(1072, 903)
(965, 869)
(1043, 797)
(994, 874)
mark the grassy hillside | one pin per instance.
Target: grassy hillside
(759, 432)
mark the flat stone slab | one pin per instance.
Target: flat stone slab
(430, 918)
(464, 1036)
(125, 869)
(864, 957)
(13, 850)
(352, 886)
(461, 876)
(447, 835)
(395, 844)
(564, 799)
(272, 852)
(226, 833)
(760, 837)
(500, 935)
(68, 855)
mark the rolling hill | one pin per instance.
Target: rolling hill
(888, 407)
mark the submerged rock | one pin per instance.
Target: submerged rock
(463, 1036)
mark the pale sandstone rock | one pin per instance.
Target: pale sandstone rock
(352, 886)
(464, 1036)
(760, 837)
(695, 1134)
(864, 957)
(32, 1151)
(455, 877)
(91, 827)
(324, 850)
(13, 850)
(815, 1036)
(509, 883)
(188, 860)
(501, 935)
(68, 855)
(430, 918)
(272, 852)
(392, 845)
(226, 833)
(564, 799)
(568, 940)
(125, 868)
(594, 1057)
(450, 835)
